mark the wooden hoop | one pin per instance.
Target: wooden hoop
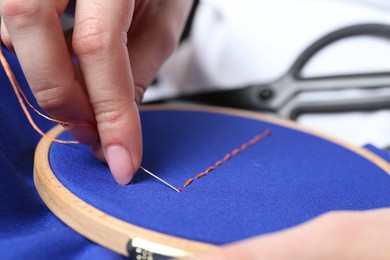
(121, 236)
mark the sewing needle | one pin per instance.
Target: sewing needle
(158, 178)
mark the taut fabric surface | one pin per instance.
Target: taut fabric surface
(286, 179)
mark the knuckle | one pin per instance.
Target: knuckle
(109, 112)
(55, 96)
(90, 36)
(51, 98)
(19, 8)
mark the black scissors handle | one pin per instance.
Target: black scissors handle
(282, 92)
(281, 96)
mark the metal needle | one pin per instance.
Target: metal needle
(158, 178)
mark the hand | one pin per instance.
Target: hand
(339, 235)
(119, 46)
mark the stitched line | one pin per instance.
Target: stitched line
(188, 182)
(228, 156)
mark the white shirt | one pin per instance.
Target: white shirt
(235, 43)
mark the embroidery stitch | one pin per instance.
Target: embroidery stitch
(235, 151)
(218, 163)
(253, 141)
(21, 96)
(188, 182)
(200, 175)
(209, 169)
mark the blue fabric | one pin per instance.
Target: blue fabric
(284, 180)
(382, 153)
(266, 176)
(27, 228)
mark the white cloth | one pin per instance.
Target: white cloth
(234, 43)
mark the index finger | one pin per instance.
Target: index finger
(99, 42)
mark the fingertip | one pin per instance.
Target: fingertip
(121, 140)
(120, 163)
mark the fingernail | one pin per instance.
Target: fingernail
(120, 163)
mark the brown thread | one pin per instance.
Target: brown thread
(20, 95)
(253, 141)
(200, 175)
(211, 168)
(258, 138)
(235, 151)
(218, 163)
(188, 182)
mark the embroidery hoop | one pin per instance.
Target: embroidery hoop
(128, 239)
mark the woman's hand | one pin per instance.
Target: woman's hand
(338, 235)
(119, 46)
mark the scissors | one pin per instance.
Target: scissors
(280, 96)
